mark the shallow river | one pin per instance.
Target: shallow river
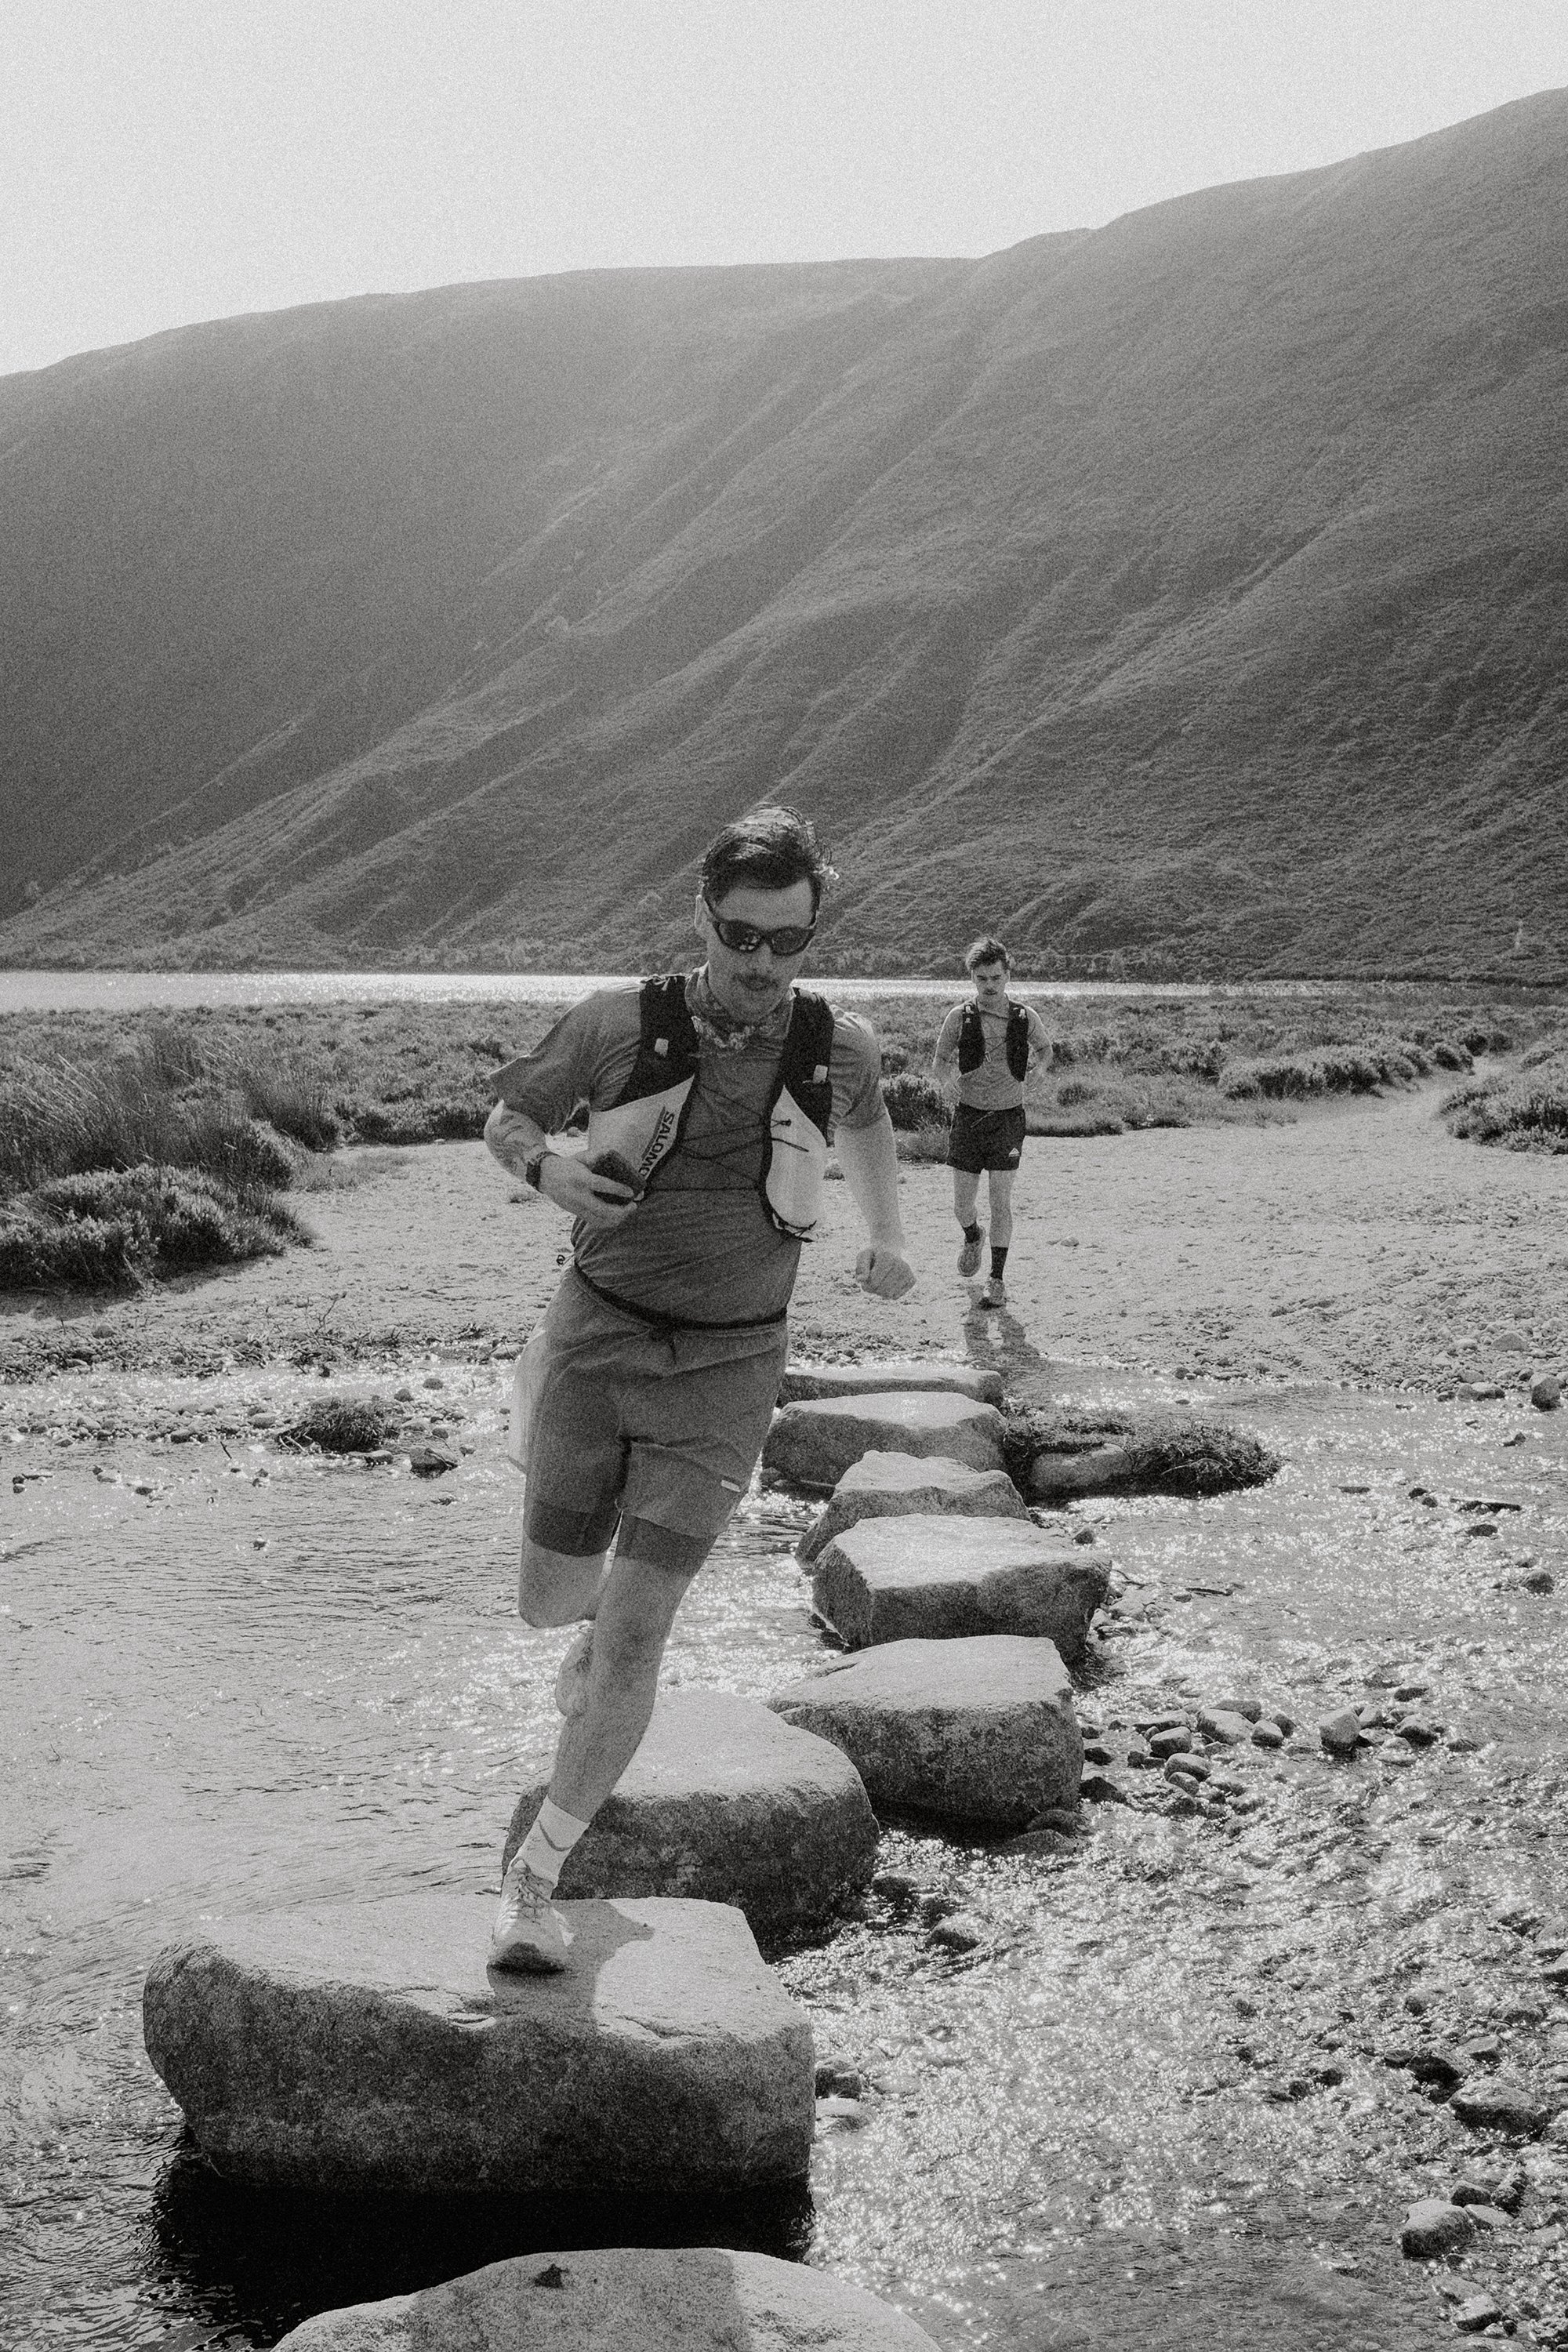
(239, 1679)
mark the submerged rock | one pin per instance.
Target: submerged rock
(365, 2047)
(813, 1444)
(895, 1486)
(922, 1579)
(623, 2299)
(803, 1383)
(980, 1730)
(724, 1802)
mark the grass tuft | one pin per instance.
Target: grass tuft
(1158, 1454)
(339, 1424)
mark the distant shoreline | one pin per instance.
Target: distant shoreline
(109, 991)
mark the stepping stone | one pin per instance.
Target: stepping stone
(366, 2047)
(623, 2299)
(724, 1802)
(978, 1730)
(802, 1383)
(813, 1444)
(927, 1579)
(888, 1485)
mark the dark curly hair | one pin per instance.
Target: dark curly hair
(768, 849)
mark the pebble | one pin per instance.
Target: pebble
(1100, 1789)
(1481, 2310)
(1341, 1734)
(1268, 1735)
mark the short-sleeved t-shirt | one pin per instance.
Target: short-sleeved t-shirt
(991, 1085)
(700, 1245)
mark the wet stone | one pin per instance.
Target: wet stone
(1341, 1734)
(897, 1485)
(940, 1578)
(1498, 2105)
(724, 1803)
(1477, 2312)
(1546, 1393)
(623, 2299)
(978, 1729)
(813, 1444)
(804, 1384)
(363, 2048)
(1432, 2227)
(1223, 1725)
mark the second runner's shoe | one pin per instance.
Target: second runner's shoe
(969, 1256)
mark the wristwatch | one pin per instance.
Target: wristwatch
(535, 1161)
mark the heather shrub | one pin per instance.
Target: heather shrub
(914, 1101)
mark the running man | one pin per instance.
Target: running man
(990, 1040)
(711, 1099)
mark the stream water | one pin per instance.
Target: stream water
(239, 1677)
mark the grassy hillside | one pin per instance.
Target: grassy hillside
(1182, 597)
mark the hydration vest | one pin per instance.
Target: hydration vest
(645, 1123)
(972, 1040)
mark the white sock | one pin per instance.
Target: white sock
(545, 1848)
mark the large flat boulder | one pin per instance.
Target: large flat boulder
(366, 2047)
(724, 1802)
(813, 1444)
(917, 1376)
(980, 1730)
(889, 1486)
(920, 1578)
(623, 2299)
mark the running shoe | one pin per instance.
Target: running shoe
(571, 1679)
(969, 1256)
(530, 1934)
(995, 1293)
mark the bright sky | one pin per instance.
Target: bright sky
(165, 161)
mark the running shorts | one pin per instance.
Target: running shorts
(631, 1422)
(979, 1139)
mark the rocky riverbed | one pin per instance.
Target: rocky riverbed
(1177, 2077)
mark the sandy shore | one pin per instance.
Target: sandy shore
(1359, 1241)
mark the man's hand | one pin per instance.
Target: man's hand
(884, 1270)
(598, 1198)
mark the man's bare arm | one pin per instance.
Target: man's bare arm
(564, 1177)
(869, 1158)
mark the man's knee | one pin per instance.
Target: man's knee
(553, 1587)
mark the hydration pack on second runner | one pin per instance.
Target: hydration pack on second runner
(645, 1122)
(972, 1040)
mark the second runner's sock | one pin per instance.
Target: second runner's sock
(998, 1262)
(545, 1848)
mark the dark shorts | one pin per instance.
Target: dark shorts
(980, 1140)
(637, 1424)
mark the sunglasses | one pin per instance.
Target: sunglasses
(744, 938)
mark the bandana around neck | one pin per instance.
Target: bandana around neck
(720, 1030)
